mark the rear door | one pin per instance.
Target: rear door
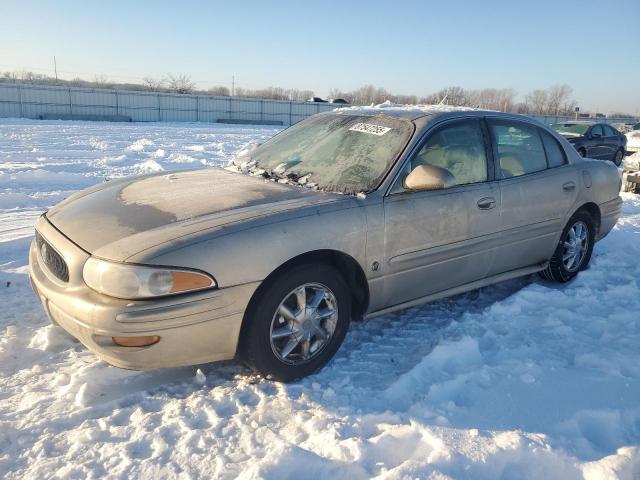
(597, 148)
(537, 189)
(611, 142)
(440, 239)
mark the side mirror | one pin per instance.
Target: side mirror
(429, 177)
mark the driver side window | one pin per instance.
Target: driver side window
(458, 148)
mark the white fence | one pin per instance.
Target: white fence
(549, 119)
(42, 101)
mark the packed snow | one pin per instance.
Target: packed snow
(524, 379)
(423, 109)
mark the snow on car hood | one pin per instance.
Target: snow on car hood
(117, 219)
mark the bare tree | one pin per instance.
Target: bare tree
(456, 96)
(522, 108)
(180, 83)
(219, 91)
(501, 99)
(538, 100)
(100, 81)
(153, 84)
(559, 99)
(300, 95)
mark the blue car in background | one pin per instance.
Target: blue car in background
(594, 140)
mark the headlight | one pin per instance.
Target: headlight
(128, 281)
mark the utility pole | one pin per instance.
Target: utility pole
(233, 84)
(55, 68)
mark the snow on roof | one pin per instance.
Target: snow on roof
(399, 107)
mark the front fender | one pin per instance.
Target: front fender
(251, 254)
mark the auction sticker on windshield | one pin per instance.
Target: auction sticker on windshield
(369, 128)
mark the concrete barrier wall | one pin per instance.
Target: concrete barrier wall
(43, 101)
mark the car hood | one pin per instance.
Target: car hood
(118, 219)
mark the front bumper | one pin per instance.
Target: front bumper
(631, 149)
(193, 328)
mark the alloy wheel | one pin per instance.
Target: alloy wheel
(303, 323)
(575, 245)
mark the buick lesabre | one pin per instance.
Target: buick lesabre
(343, 216)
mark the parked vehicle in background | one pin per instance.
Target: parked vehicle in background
(631, 173)
(633, 141)
(317, 100)
(622, 127)
(594, 140)
(339, 100)
(347, 214)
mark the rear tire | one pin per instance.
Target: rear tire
(574, 249)
(285, 342)
(617, 158)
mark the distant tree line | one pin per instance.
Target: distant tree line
(168, 84)
(555, 100)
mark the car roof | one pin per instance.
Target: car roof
(411, 112)
(427, 113)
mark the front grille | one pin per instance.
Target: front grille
(52, 259)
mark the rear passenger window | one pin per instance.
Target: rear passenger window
(609, 131)
(458, 148)
(519, 149)
(555, 153)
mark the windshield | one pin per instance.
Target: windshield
(336, 152)
(571, 128)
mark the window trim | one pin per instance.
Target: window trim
(494, 143)
(397, 185)
(590, 132)
(606, 126)
(546, 153)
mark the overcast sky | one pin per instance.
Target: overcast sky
(406, 47)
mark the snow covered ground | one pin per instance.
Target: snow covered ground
(525, 379)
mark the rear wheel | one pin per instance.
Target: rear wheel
(297, 323)
(574, 249)
(617, 159)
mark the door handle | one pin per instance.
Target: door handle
(486, 203)
(569, 186)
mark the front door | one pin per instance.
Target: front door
(436, 240)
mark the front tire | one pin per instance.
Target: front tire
(297, 322)
(574, 250)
